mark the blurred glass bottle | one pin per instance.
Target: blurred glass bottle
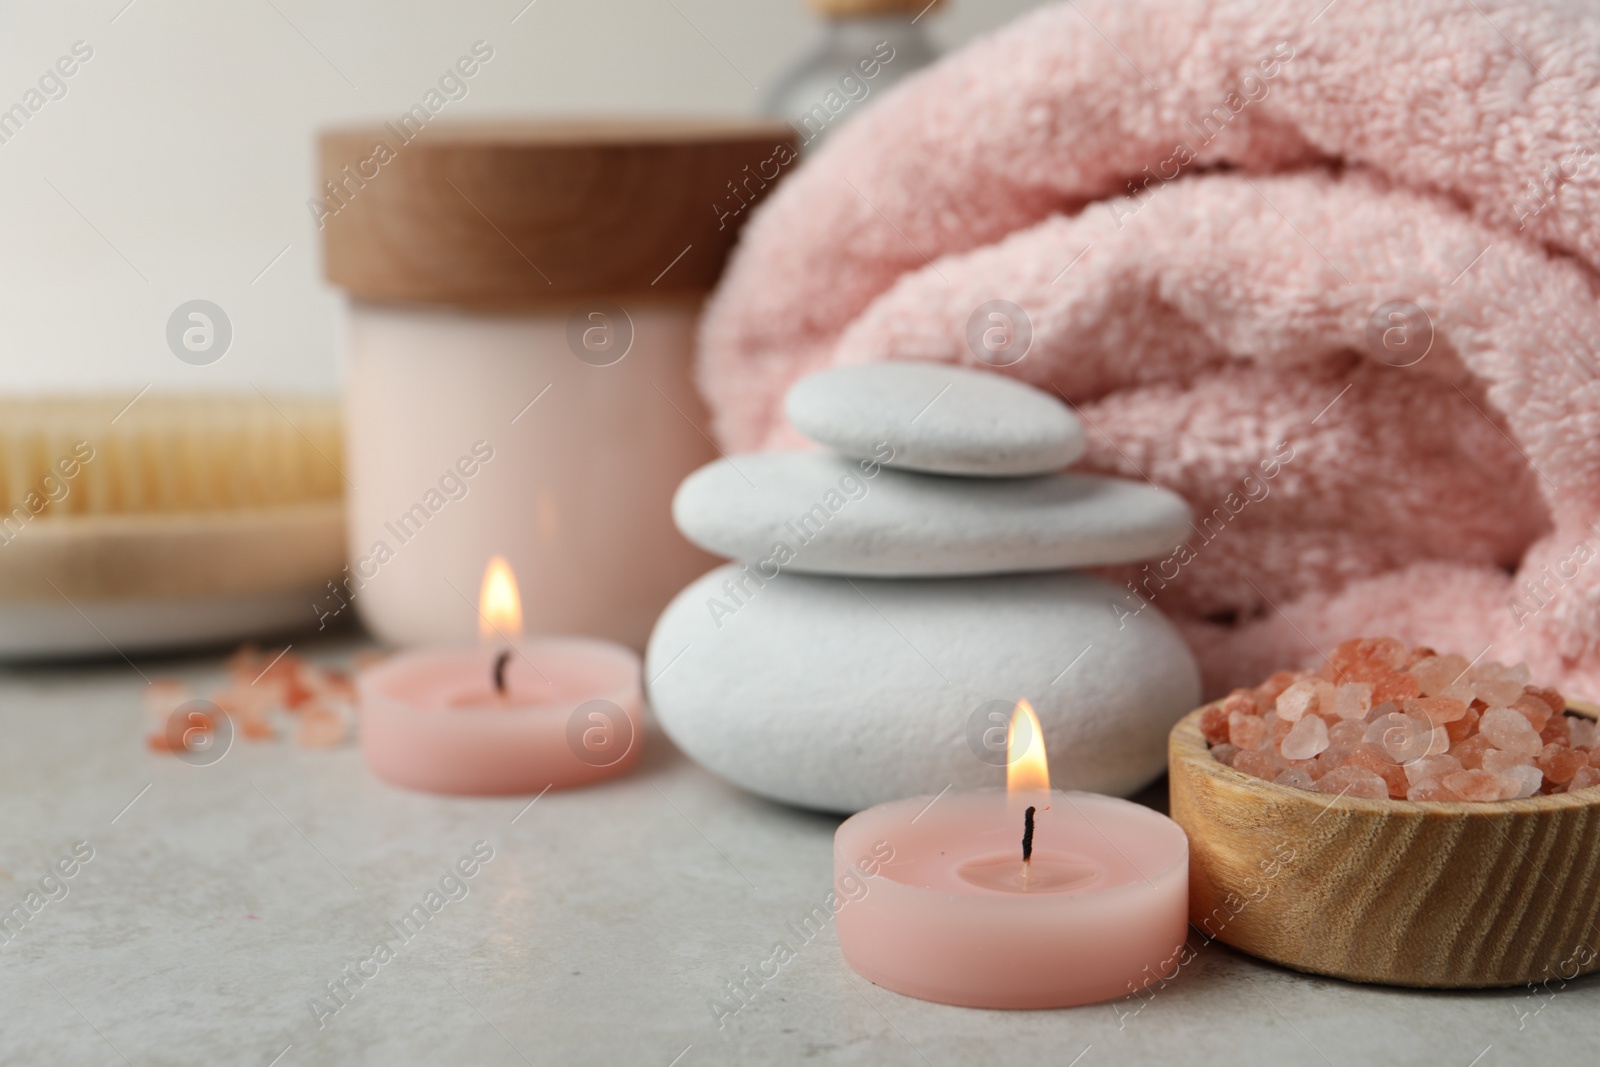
(867, 46)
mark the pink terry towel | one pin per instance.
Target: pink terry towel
(1229, 222)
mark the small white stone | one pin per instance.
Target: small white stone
(837, 694)
(936, 417)
(818, 513)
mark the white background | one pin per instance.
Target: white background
(179, 162)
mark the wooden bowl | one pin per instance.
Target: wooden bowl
(1427, 894)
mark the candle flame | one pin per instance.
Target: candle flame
(1027, 769)
(499, 605)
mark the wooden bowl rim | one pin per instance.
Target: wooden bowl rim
(1187, 744)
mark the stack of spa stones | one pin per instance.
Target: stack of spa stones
(895, 592)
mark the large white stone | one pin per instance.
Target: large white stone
(839, 693)
(819, 513)
(938, 417)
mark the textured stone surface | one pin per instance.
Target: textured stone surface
(836, 693)
(938, 417)
(833, 515)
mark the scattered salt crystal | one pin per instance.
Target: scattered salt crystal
(1498, 762)
(1260, 764)
(1353, 700)
(1308, 737)
(1536, 711)
(1298, 777)
(1470, 752)
(1214, 723)
(1430, 789)
(1224, 753)
(1507, 730)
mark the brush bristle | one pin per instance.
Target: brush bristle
(91, 455)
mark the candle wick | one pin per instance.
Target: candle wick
(1027, 834)
(500, 662)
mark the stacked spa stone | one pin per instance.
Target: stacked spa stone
(894, 594)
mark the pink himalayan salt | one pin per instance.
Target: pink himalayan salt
(1428, 721)
(1346, 732)
(1353, 700)
(1536, 711)
(1586, 778)
(1431, 767)
(1509, 731)
(1439, 675)
(1224, 753)
(1520, 782)
(1261, 764)
(1473, 785)
(1558, 762)
(1498, 685)
(1354, 782)
(1246, 731)
(1214, 723)
(1470, 752)
(1307, 695)
(1298, 777)
(1306, 738)
(1558, 730)
(1437, 710)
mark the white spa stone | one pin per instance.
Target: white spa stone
(838, 693)
(938, 417)
(819, 513)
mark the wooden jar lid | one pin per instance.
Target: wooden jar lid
(524, 214)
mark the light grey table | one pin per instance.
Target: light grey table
(221, 900)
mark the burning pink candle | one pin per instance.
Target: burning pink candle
(516, 716)
(1022, 898)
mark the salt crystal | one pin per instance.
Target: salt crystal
(1470, 752)
(1353, 700)
(1438, 673)
(1378, 762)
(1473, 785)
(1354, 782)
(1214, 724)
(1583, 731)
(1558, 730)
(1520, 782)
(1298, 777)
(1241, 700)
(1431, 767)
(1246, 731)
(1431, 789)
(1498, 762)
(1346, 732)
(1437, 710)
(1559, 763)
(1224, 753)
(1308, 694)
(1509, 731)
(1586, 778)
(1463, 727)
(1498, 685)
(1536, 711)
(1308, 737)
(1261, 764)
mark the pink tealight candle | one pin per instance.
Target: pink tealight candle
(517, 716)
(1019, 898)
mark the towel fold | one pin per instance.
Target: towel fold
(1331, 275)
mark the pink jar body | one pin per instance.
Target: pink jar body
(474, 434)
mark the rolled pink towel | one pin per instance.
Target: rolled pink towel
(1204, 207)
